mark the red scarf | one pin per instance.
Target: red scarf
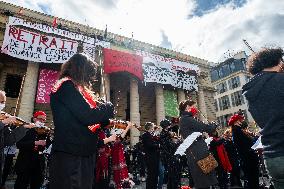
(88, 96)
(223, 157)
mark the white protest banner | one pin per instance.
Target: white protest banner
(173, 64)
(168, 71)
(32, 46)
(52, 30)
(89, 50)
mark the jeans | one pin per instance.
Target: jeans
(161, 175)
(275, 167)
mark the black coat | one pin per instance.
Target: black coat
(265, 96)
(168, 147)
(151, 146)
(8, 138)
(198, 150)
(28, 157)
(243, 143)
(72, 115)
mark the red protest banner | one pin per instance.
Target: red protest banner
(117, 61)
(47, 79)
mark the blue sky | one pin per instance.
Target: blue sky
(206, 6)
(203, 28)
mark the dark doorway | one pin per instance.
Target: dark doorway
(13, 85)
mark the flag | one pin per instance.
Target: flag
(54, 23)
(171, 103)
(21, 11)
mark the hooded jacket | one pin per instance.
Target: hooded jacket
(265, 95)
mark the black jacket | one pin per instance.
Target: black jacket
(28, 156)
(265, 95)
(151, 146)
(168, 147)
(8, 138)
(72, 115)
(198, 150)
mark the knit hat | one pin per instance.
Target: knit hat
(39, 113)
(235, 118)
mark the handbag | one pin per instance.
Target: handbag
(207, 164)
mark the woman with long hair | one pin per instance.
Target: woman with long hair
(198, 149)
(77, 115)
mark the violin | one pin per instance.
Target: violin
(42, 130)
(17, 123)
(120, 124)
(20, 122)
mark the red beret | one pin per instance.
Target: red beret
(39, 113)
(235, 118)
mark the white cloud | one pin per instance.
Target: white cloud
(260, 22)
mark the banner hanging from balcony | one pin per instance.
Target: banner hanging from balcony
(117, 61)
(33, 46)
(47, 79)
(56, 31)
(163, 70)
(171, 103)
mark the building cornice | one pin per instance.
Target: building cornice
(36, 16)
(231, 76)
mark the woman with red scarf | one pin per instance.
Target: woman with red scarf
(119, 167)
(224, 166)
(77, 115)
(102, 162)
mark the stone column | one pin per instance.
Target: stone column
(181, 95)
(105, 87)
(28, 94)
(201, 103)
(160, 107)
(134, 111)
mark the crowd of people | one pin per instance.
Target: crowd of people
(90, 151)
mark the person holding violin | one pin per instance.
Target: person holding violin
(119, 166)
(191, 128)
(77, 115)
(152, 156)
(29, 166)
(8, 137)
(102, 173)
(169, 160)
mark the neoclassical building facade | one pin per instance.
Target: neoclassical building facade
(135, 100)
